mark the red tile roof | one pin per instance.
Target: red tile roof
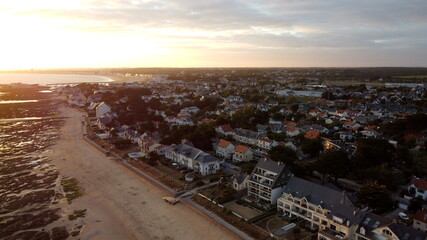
(312, 134)
(226, 128)
(419, 183)
(241, 149)
(223, 143)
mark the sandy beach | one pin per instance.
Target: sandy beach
(121, 205)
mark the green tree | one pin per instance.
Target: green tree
(282, 154)
(375, 196)
(333, 163)
(312, 147)
(249, 117)
(372, 152)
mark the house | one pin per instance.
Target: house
(161, 149)
(242, 154)
(374, 227)
(292, 131)
(132, 135)
(102, 109)
(351, 125)
(236, 179)
(225, 149)
(346, 136)
(193, 158)
(267, 181)
(420, 220)
(240, 181)
(370, 133)
(290, 145)
(103, 121)
(418, 188)
(224, 130)
(149, 146)
(247, 136)
(266, 143)
(312, 135)
(192, 109)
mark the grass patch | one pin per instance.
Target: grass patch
(77, 214)
(71, 188)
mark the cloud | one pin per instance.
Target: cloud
(343, 25)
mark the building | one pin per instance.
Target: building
(267, 181)
(242, 154)
(224, 130)
(240, 181)
(333, 215)
(102, 109)
(266, 143)
(319, 206)
(312, 135)
(373, 227)
(418, 188)
(247, 136)
(225, 149)
(420, 220)
(193, 158)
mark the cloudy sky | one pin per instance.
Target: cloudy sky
(209, 33)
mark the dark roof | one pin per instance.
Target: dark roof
(283, 172)
(193, 153)
(370, 222)
(404, 232)
(315, 193)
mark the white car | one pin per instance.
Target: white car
(403, 216)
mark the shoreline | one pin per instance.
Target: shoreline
(119, 204)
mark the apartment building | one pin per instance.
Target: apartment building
(267, 181)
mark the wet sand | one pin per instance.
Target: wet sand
(121, 205)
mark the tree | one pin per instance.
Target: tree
(312, 146)
(282, 154)
(415, 204)
(333, 163)
(249, 117)
(372, 152)
(375, 196)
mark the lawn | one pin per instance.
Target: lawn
(242, 210)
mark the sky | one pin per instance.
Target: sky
(209, 33)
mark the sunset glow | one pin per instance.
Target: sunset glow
(131, 33)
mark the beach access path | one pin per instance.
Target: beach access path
(121, 205)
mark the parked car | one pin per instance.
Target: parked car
(403, 216)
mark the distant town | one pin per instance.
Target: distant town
(289, 156)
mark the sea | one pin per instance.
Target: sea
(46, 79)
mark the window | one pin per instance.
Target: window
(333, 227)
(387, 232)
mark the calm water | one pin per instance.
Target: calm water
(43, 79)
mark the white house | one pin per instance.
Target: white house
(224, 129)
(225, 149)
(242, 153)
(418, 188)
(193, 158)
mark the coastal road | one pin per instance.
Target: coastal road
(121, 205)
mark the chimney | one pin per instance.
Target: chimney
(343, 197)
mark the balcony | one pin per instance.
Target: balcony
(330, 234)
(261, 181)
